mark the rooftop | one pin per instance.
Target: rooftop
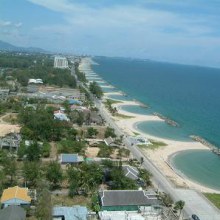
(127, 197)
(71, 213)
(15, 193)
(70, 158)
(131, 172)
(13, 212)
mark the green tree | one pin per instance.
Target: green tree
(95, 206)
(31, 172)
(45, 150)
(110, 132)
(95, 89)
(179, 205)
(166, 199)
(54, 174)
(91, 132)
(10, 169)
(44, 205)
(33, 152)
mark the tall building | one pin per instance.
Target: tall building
(60, 62)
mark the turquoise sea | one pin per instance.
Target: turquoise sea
(189, 95)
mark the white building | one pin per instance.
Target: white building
(60, 62)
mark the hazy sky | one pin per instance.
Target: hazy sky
(186, 31)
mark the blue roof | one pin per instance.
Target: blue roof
(74, 101)
(69, 158)
(71, 213)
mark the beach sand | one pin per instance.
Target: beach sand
(160, 156)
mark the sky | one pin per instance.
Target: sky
(181, 31)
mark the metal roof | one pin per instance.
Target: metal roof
(71, 213)
(13, 212)
(127, 198)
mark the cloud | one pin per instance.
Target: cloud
(141, 28)
(9, 24)
(19, 24)
(5, 23)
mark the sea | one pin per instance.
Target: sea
(189, 95)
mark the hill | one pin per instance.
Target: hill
(4, 46)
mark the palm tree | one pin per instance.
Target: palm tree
(179, 205)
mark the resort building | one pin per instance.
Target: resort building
(127, 200)
(15, 196)
(60, 62)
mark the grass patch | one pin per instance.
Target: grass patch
(10, 118)
(123, 116)
(112, 101)
(136, 133)
(214, 198)
(68, 201)
(153, 146)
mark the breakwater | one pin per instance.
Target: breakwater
(167, 120)
(212, 147)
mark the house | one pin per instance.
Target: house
(4, 93)
(139, 140)
(70, 213)
(70, 159)
(74, 102)
(11, 141)
(109, 141)
(121, 215)
(13, 212)
(15, 196)
(127, 200)
(130, 172)
(95, 118)
(60, 115)
(35, 81)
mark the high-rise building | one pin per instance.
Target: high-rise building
(60, 62)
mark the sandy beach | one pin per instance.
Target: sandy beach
(161, 156)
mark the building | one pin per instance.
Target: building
(60, 115)
(35, 81)
(70, 159)
(127, 200)
(10, 142)
(13, 212)
(70, 213)
(130, 172)
(4, 94)
(15, 196)
(60, 62)
(122, 215)
(139, 140)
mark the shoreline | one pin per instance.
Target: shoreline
(161, 156)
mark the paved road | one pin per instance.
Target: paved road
(195, 202)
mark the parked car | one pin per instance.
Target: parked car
(195, 217)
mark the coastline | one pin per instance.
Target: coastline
(160, 157)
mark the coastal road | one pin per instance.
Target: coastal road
(195, 202)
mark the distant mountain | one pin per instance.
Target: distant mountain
(9, 47)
